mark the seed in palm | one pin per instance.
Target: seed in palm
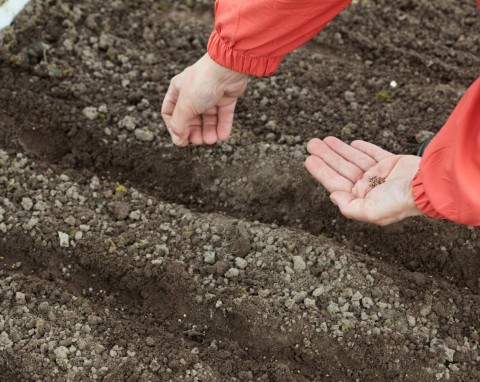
(376, 180)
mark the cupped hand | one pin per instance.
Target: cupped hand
(366, 182)
(200, 103)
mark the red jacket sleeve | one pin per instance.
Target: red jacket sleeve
(447, 185)
(252, 36)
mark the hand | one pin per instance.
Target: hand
(366, 182)
(200, 103)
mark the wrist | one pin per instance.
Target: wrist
(412, 208)
(222, 73)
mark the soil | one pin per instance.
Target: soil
(124, 258)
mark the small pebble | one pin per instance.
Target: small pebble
(90, 113)
(27, 204)
(299, 264)
(241, 263)
(209, 257)
(232, 273)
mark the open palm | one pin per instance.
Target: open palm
(366, 182)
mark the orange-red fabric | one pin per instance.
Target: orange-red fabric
(252, 36)
(447, 185)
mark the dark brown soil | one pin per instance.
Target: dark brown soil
(123, 55)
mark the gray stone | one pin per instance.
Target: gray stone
(90, 113)
(299, 264)
(30, 223)
(5, 341)
(27, 204)
(309, 303)
(367, 302)
(300, 296)
(135, 215)
(43, 307)
(290, 303)
(128, 123)
(70, 220)
(144, 135)
(64, 239)
(209, 257)
(319, 291)
(426, 310)
(61, 352)
(231, 273)
(40, 206)
(357, 296)
(411, 321)
(349, 96)
(241, 263)
(20, 298)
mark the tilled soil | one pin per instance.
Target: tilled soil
(124, 258)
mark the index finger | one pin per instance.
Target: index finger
(351, 154)
(169, 102)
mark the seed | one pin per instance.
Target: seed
(375, 181)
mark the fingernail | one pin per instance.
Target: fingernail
(334, 202)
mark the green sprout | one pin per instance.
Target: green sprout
(347, 325)
(120, 189)
(384, 95)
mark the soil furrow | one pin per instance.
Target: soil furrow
(146, 273)
(243, 186)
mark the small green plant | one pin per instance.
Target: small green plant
(243, 290)
(387, 323)
(11, 187)
(121, 241)
(347, 325)
(141, 243)
(53, 70)
(11, 59)
(66, 72)
(384, 95)
(120, 189)
(161, 5)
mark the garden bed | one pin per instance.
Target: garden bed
(224, 263)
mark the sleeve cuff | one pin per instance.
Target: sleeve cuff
(239, 61)
(421, 200)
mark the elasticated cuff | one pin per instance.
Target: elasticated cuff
(420, 198)
(239, 61)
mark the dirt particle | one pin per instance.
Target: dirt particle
(120, 210)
